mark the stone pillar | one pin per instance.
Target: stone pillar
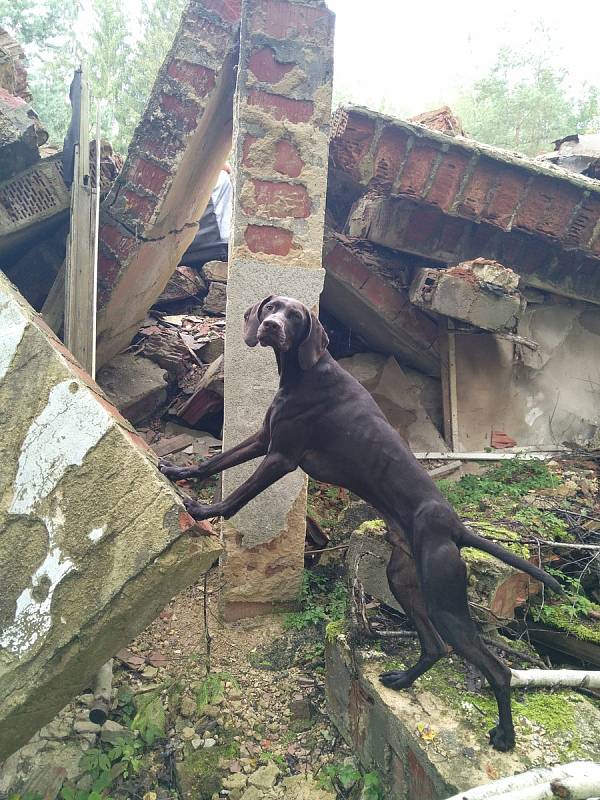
(281, 129)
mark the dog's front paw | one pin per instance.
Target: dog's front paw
(198, 510)
(174, 472)
(396, 679)
(502, 740)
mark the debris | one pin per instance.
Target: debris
(184, 284)
(215, 271)
(500, 440)
(215, 301)
(207, 397)
(440, 119)
(480, 292)
(135, 385)
(398, 397)
(102, 694)
(21, 135)
(130, 659)
(172, 444)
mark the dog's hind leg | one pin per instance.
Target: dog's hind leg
(404, 585)
(443, 576)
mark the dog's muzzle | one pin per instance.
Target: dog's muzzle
(271, 333)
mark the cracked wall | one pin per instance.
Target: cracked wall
(92, 538)
(538, 397)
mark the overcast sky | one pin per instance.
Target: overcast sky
(414, 55)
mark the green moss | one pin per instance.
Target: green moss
(199, 775)
(208, 690)
(335, 629)
(563, 618)
(372, 526)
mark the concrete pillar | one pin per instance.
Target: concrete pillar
(281, 129)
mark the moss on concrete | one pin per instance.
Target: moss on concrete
(199, 776)
(372, 526)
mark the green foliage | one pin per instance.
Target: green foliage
(524, 102)
(68, 793)
(511, 479)
(320, 605)
(104, 766)
(150, 719)
(208, 691)
(26, 796)
(571, 613)
(346, 776)
(122, 55)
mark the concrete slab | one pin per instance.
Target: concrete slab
(430, 742)
(93, 540)
(400, 397)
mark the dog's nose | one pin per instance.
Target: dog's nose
(271, 323)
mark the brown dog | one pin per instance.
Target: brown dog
(325, 422)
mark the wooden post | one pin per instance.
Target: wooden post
(81, 260)
(447, 341)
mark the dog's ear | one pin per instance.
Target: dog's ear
(314, 343)
(252, 321)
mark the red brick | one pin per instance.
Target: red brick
(280, 200)
(417, 169)
(247, 158)
(388, 301)
(547, 207)
(417, 324)
(121, 244)
(268, 239)
(219, 34)
(506, 196)
(265, 66)
(200, 78)
(448, 178)
(185, 112)
(390, 153)
(348, 149)
(108, 267)
(287, 159)
(281, 107)
(163, 148)
(142, 208)
(149, 176)
(478, 189)
(586, 219)
(284, 20)
(342, 262)
(230, 10)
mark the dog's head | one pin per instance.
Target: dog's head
(285, 324)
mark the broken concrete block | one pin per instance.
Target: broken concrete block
(215, 271)
(21, 134)
(480, 292)
(13, 67)
(367, 559)
(151, 215)
(216, 299)
(135, 385)
(92, 538)
(184, 284)
(399, 397)
(431, 741)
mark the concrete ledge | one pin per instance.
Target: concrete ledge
(430, 742)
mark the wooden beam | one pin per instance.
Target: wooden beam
(81, 260)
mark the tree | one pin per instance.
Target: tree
(524, 103)
(122, 56)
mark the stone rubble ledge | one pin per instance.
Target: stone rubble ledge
(430, 742)
(93, 540)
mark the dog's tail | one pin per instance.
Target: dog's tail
(470, 539)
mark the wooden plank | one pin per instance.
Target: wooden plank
(53, 310)
(172, 444)
(445, 379)
(80, 274)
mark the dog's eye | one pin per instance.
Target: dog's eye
(269, 307)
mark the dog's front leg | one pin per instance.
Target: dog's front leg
(274, 467)
(252, 447)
